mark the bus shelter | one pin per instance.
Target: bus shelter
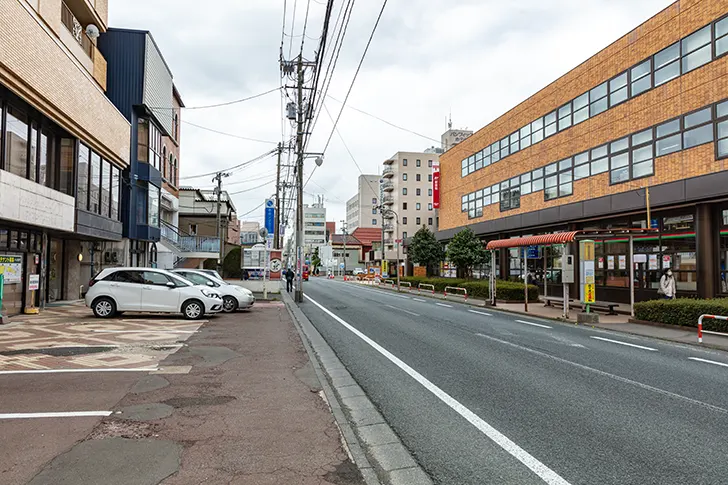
(570, 257)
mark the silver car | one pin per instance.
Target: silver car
(233, 297)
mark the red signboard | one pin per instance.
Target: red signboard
(436, 185)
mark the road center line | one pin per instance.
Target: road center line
(68, 371)
(443, 304)
(541, 470)
(624, 343)
(533, 324)
(607, 374)
(708, 361)
(480, 313)
(72, 414)
(403, 310)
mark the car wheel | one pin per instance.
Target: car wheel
(193, 309)
(229, 304)
(104, 307)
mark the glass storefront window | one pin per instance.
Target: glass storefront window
(94, 200)
(141, 205)
(679, 250)
(723, 248)
(115, 196)
(83, 162)
(16, 142)
(13, 243)
(105, 188)
(154, 206)
(3, 238)
(65, 179)
(143, 141)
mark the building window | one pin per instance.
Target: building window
(82, 183)
(67, 159)
(564, 117)
(723, 248)
(94, 186)
(153, 206)
(418, 221)
(404, 162)
(16, 142)
(115, 194)
(404, 190)
(558, 180)
(641, 78)
(510, 194)
(404, 176)
(418, 206)
(374, 222)
(721, 37)
(418, 178)
(722, 131)
(429, 177)
(404, 235)
(429, 192)
(142, 211)
(618, 90)
(598, 100)
(418, 191)
(374, 200)
(193, 229)
(581, 166)
(429, 163)
(679, 250)
(374, 210)
(668, 136)
(404, 206)
(429, 221)
(429, 206)
(698, 128)
(164, 162)
(418, 163)
(695, 49)
(105, 188)
(404, 221)
(667, 64)
(619, 161)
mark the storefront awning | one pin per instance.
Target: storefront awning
(565, 237)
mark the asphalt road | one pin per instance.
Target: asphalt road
(480, 396)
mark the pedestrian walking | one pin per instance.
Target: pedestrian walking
(289, 280)
(667, 286)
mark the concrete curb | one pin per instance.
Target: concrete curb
(374, 447)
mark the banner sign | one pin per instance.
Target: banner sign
(436, 185)
(270, 215)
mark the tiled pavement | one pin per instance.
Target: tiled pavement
(34, 342)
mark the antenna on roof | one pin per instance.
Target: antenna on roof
(449, 121)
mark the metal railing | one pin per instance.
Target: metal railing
(387, 186)
(388, 172)
(388, 200)
(700, 326)
(76, 29)
(457, 288)
(187, 243)
(422, 285)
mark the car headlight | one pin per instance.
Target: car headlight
(210, 294)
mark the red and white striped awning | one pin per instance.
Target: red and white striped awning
(542, 239)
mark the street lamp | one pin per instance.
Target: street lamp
(396, 232)
(299, 218)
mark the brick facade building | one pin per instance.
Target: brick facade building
(649, 110)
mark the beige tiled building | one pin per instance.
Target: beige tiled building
(63, 149)
(361, 210)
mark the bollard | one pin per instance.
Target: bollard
(700, 332)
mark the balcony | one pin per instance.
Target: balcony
(76, 29)
(388, 186)
(388, 227)
(388, 200)
(188, 246)
(388, 172)
(82, 46)
(388, 162)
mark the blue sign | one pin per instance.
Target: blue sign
(532, 252)
(270, 216)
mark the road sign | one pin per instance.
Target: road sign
(270, 215)
(341, 265)
(589, 293)
(33, 282)
(275, 265)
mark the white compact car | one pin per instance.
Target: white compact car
(117, 290)
(233, 297)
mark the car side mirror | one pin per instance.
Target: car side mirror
(170, 285)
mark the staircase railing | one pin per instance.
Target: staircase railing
(189, 244)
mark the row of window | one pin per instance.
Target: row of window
(418, 221)
(418, 206)
(99, 184)
(150, 148)
(693, 51)
(418, 177)
(417, 192)
(35, 151)
(628, 158)
(20, 240)
(418, 163)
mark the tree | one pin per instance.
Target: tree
(315, 259)
(425, 250)
(465, 251)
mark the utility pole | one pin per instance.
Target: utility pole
(299, 179)
(218, 178)
(345, 229)
(276, 229)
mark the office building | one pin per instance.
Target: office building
(314, 225)
(63, 147)
(361, 209)
(643, 123)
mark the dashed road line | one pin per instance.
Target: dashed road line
(624, 343)
(443, 304)
(403, 310)
(533, 324)
(480, 313)
(708, 361)
(420, 300)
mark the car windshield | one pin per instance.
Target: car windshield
(213, 273)
(180, 280)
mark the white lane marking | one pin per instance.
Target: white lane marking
(144, 331)
(480, 313)
(545, 473)
(402, 296)
(607, 374)
(72, 414)
(533, 324)
(403, 310)
(708, 361)
(420, 300)
(624, 343)
(443, 304)
(68, 371)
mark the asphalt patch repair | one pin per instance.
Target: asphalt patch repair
(188, 402)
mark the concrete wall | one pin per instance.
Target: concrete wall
(28, 202)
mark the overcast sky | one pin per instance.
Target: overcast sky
(472, 58)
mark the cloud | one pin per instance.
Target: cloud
(474, 58)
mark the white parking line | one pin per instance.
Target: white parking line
(480, 313)
(442, 304)
(708, 361)
(69, 371)
(72, 414)
(624, 343)
(533, 324)
(541, 470)
(403, 310)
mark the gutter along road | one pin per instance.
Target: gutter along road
(480, 396)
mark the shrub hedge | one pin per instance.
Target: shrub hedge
(684, 312)
(505, 290)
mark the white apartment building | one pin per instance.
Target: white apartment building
(407, 190)
(361, 210)
(314, 226)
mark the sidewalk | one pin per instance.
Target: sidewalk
(239, 404)
(618, 323)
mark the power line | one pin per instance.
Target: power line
(252, 188)
(259, 157)
(226, 103)
(212, 130)
(252, 210)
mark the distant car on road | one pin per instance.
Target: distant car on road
(116, 290)
(358, 271)
(234, 297)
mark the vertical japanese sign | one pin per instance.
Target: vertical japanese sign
(270, 215)
(436, 184)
